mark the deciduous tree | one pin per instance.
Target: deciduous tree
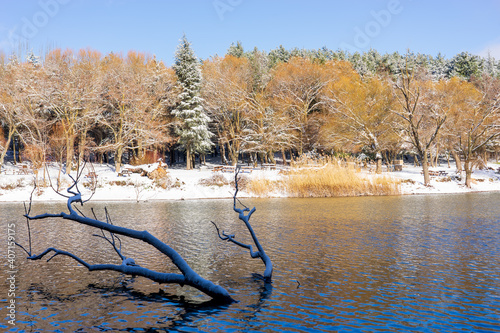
(227, 93)
(421, 118)
(296, 87)
(135, 104)
(474, 117)
(361, 111)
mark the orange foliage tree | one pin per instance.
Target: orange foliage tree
(227, 93)
(474, 117)
(136, 93)
(295, 89)
(360, 111)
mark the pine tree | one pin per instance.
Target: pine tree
(490, 66)
(439, 67)
(466, 66)
(236, 50)
(279, 55)
(194, 135)
(358, 64)
(33, 59)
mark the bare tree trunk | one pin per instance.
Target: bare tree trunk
(7, 144)
(458, 163)
(82, 146)
(255, 159)
(425, 169)
(118, 158)
(270, 155)
(283, 154)
(14, 150)
(262, 158)
(468, 172)
(222, 153)
(437, 163)
(431, 159)
(172, 156)
(378, 162)
(69, 154)
(59, 176)
(233, 152)
(188, 157)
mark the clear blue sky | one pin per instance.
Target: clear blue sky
(155, 26)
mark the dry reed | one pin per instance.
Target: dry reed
(326, 177)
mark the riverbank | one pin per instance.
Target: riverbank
(16, 183)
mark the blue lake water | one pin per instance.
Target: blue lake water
(371, 264)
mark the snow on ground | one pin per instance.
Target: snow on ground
(482, 180)
(16, 186)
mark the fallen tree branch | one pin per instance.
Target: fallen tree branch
(246, 218)
(187, 275)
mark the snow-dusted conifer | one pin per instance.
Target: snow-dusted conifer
(236, 50)
(278, 55)
(393, 62)
(439, 67)
(33, 59)
(358, 64)
(466, 66)
(490, 66)
(194, 135)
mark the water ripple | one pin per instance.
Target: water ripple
(413, 264)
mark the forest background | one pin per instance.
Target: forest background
(68, 106)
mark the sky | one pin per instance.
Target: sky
(156, 26)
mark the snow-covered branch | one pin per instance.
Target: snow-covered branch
(244, 215)
(187, 275)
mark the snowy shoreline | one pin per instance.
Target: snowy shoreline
(16, 183)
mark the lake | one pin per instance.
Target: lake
(373, 264)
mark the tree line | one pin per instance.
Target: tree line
(73, 105)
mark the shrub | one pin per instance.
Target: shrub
(166, 182)
(121, 183)
(217, 179)
(444, 179)
(12, 186)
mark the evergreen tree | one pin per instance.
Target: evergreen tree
(466, 65)
(490, 66)
(236, 50)
(393, 63)
(33, 59)
(439, 67)
(260, 67)
(279, 55)
(194, 135)
(356, 59)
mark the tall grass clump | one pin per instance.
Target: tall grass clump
(263, 187)
(332, 177)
